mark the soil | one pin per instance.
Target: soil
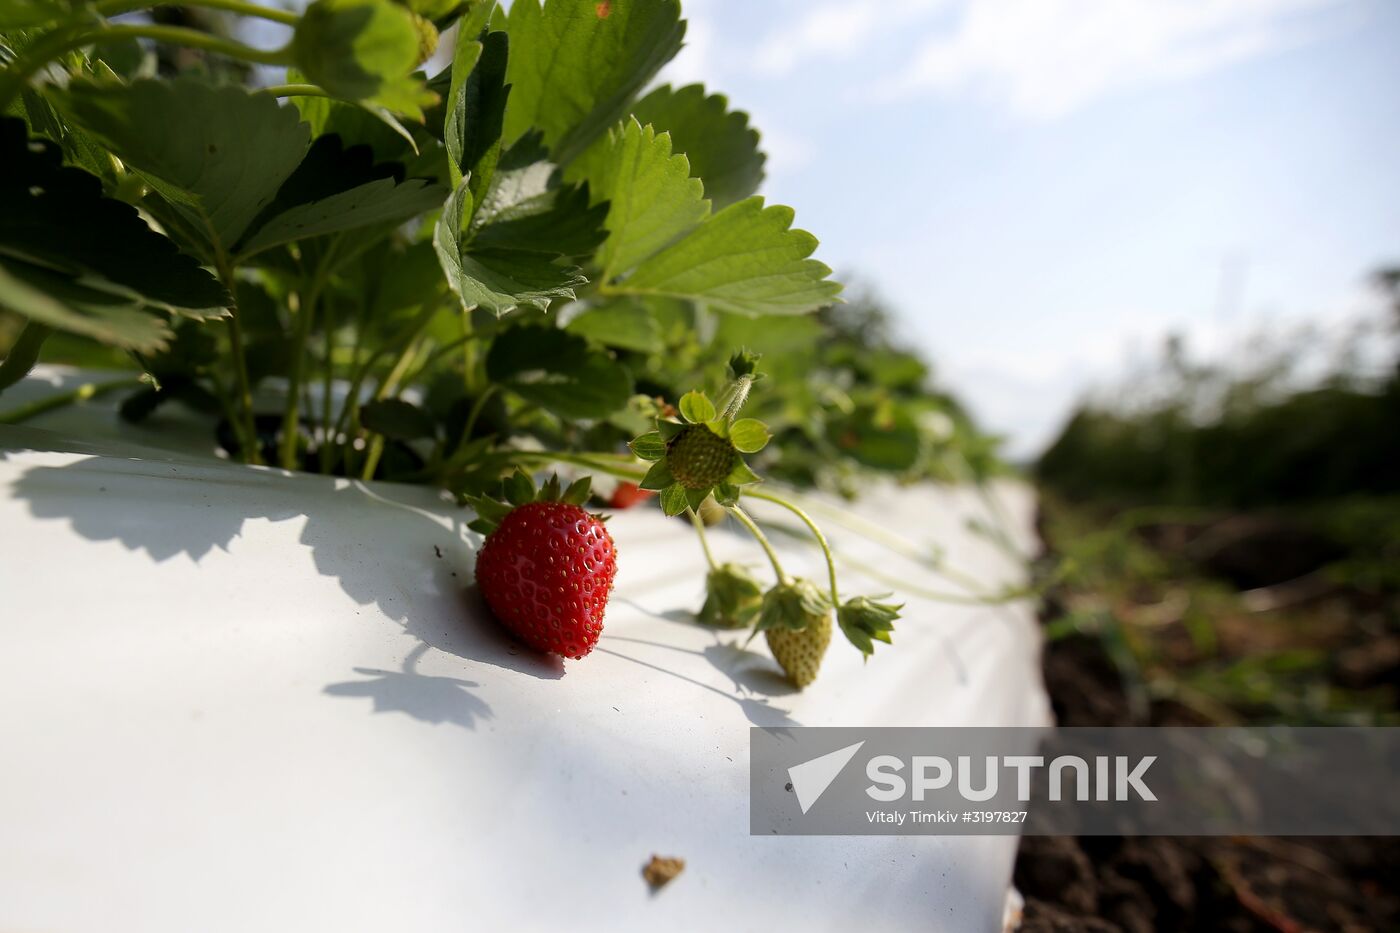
(1110, 884)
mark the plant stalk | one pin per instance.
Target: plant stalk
(816, 533)
(762, 540)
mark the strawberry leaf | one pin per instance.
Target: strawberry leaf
(575, 65)
(494, 279)
(652, 198)
(745, 259)
(78, 261)
(232, 152)
(625, 324)
(719, 143)
(558, 371)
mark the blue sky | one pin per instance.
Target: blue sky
(1043, 188)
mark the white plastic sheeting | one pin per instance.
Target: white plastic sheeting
(237, 699)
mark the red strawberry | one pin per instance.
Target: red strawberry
(547, 566)
(626, 495)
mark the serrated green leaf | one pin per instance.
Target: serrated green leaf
(575, 65)
(355, 123)
(658, 477)
(674, 500)
(649, 446)
(232, 151)
(627, 325)
(557, 220)
(56, 216)
(378, 202)
(68, 304)
(558, 371)
(719, 143)
(749, 435)
(398, 419)
(652, 198)
(744, 259)
(476, 109)
(363, 50)
(695, 406)
(497, 280)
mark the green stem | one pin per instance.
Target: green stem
(704, 541)
(24, 354)
(762, 540)
(245, 425)
(66, 39)
(117, 7)
(291, 416)
(475, 412)
(294, 90)
(816, 533)
(79, 394)
(619, 470)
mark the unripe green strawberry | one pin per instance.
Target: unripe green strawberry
(699, 458)
(732, 597)
(796, 622)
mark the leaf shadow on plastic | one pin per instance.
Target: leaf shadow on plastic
(382, 551)
(425, 697)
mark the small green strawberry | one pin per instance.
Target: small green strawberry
(699, 458)
(732, 597)
(796, 622)
(701, 454)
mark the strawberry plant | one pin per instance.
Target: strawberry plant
(383, 270)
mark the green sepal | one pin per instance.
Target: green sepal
(694, 497)
(650, 446)
(658, 477)
(749, 435)
(674, 500)
(481, 526)
(669, 429)
(727, 494)
(741, 475)
(519, 488)
(695, 406)
(794, 606)
(578, 491)
(865, 621)
(549, 492)
(744, 362)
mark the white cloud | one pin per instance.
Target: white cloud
(833, 31)
(1043, 59)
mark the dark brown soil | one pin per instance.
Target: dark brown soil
(1109, 884)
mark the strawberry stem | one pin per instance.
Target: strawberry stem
(704, 541)
(816, 533)
(762, 540)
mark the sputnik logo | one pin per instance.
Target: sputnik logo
(811, 778)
